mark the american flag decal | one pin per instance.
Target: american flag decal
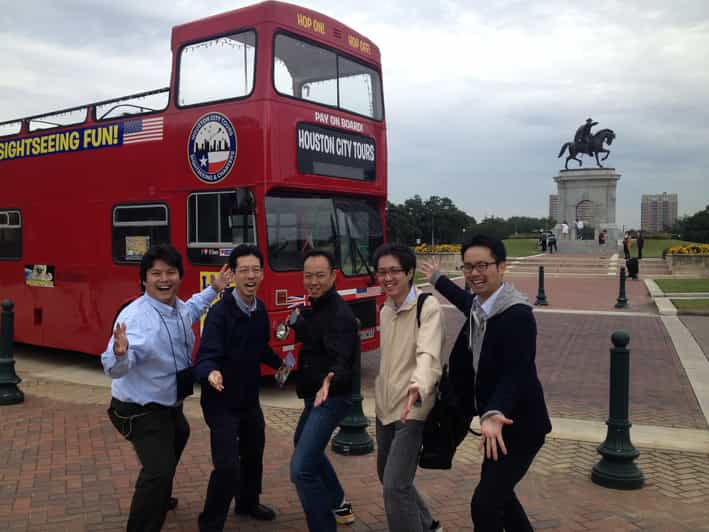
(142, 130)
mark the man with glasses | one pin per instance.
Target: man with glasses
(500, 334)
(405, 389)
(330, 345)
(233, 346)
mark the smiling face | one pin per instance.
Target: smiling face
(248, 275)
(318, 277)
(395, 282)
(484, 284)
(162, 282)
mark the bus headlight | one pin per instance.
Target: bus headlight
(282, 331)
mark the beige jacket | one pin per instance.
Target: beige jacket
(409, 355)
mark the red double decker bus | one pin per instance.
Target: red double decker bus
(271, 132)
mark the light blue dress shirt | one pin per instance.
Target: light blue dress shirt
(146, 373)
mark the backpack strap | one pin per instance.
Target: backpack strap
(419, 306)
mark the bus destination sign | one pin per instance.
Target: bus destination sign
(334, 153)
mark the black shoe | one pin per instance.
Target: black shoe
(259, 511)
(172, 504)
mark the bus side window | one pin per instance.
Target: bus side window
(136, 227)
(10, 235)
(215, 225)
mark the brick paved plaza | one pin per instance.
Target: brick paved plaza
(64, 468)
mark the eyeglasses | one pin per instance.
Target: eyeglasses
(393, 272)
(320, 276)
(245, 271)
(479, 266)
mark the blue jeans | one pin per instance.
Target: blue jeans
(312, 473)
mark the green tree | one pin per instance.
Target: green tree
(694, 228)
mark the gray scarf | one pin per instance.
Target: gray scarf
(507, 297)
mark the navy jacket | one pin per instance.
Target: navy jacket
(236, 344)
(507, 378)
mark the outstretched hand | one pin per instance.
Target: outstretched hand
(321, 396)
(428, 267)
(120, 340)
(222, 279)
(491, 431)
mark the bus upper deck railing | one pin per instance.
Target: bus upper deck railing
(44, 120)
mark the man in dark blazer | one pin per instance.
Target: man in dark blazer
(501, 336)
(233, 346)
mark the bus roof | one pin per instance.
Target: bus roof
(296, 18)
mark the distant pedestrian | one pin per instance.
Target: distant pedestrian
(147, 356)
(640, 241)
(564, 230)
(551, 242)
(626, 245)
(542, 241)
(579, 229)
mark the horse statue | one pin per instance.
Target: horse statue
(593, 147)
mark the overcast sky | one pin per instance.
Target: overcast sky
(480, 95)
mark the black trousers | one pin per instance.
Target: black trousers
(494, 506)
(159, 435)
(237, 440)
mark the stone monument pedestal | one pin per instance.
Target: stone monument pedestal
(587, 194)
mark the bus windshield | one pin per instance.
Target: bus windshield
(349, 228)
(309, 72)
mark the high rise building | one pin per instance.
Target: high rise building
(658, 212)
(554, 207)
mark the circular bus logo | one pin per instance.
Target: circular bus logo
(212, 147)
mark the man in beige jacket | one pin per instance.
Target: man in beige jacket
(409, 369)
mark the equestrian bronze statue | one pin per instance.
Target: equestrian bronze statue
(587, 143)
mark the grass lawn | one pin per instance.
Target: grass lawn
(691, 304)
(522, 247)
(683, 285)
(654, 248)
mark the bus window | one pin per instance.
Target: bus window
(308, 72)
(217, 69)
(136, 227)
(60, 119)
(350, 229)
(216, 225)
(10, 235)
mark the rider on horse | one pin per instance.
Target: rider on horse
(583, 133)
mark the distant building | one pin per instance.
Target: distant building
(554, 207)
(658, 212)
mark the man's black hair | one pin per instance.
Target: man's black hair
(495, 245)
(163, 252)
(321, 253)
(402, 253)
(242, 250)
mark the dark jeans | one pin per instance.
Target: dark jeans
(312, 473)
(159, 435)
(494, 506)
(237, 440)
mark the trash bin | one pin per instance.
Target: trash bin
(633, 267)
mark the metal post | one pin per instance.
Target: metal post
(10, 394)
(353, 438)
(622, 301)
(541, 296)
(617, 468)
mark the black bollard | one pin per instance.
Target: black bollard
(617, 468)
(541, 296)
(10, 394)
(622, 301)
(353, 438)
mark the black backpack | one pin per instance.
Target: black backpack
(447, 423)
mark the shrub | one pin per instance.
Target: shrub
(689, 249)
(438, 248)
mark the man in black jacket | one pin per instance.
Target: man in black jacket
(330, 345)
(501, 336)
(233, 346)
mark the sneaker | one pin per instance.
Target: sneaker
(436, 526)
(343, 513)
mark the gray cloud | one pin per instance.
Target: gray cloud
(479, 95)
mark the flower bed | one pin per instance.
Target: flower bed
(690, 259)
